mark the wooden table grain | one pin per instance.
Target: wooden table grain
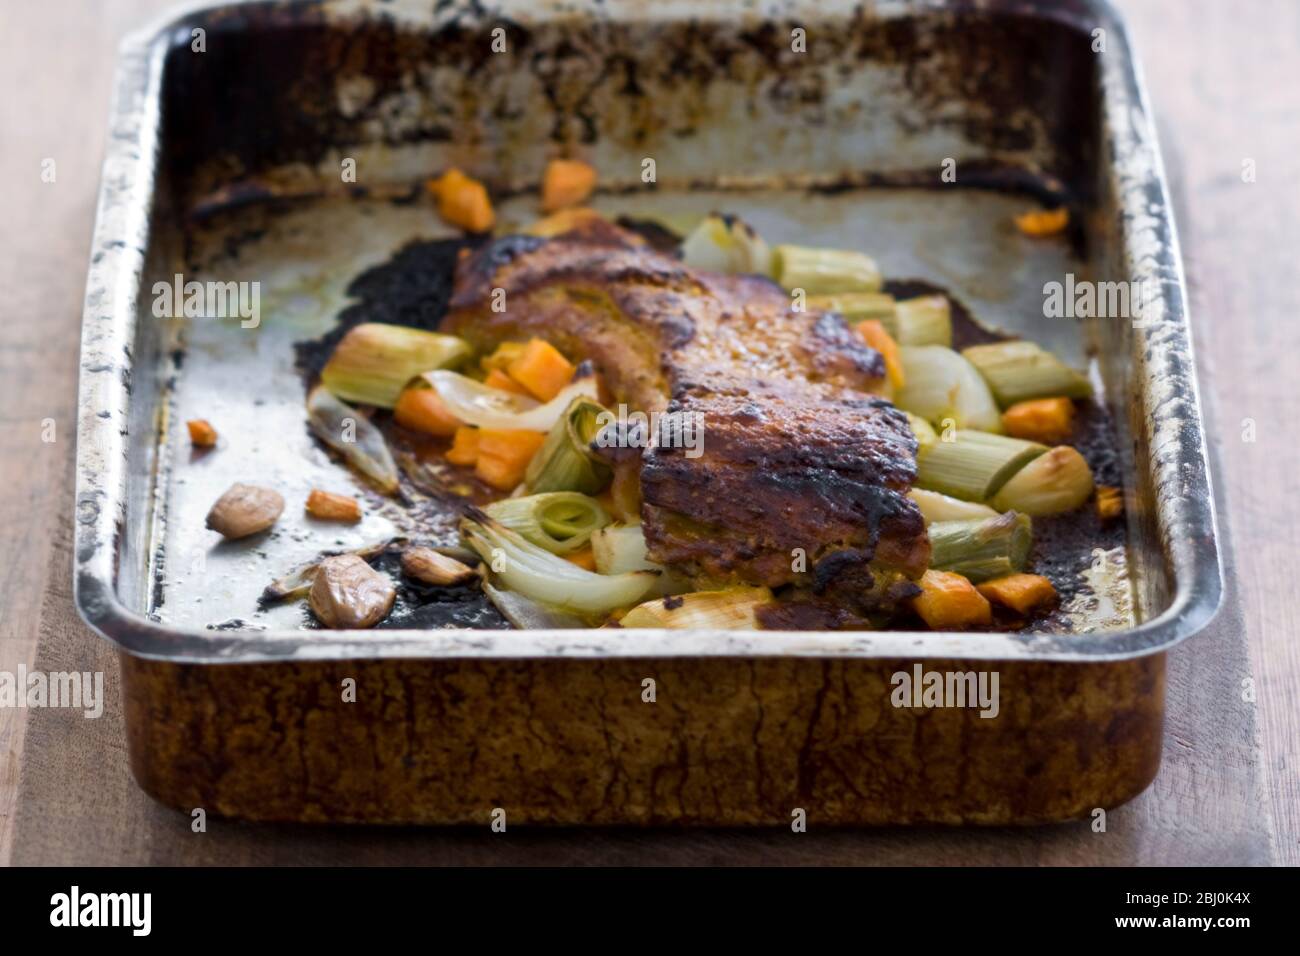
(1222, 77)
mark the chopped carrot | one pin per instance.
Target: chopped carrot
(585, 558)
(462, 201)
(331, 507)
(949, 602)
(541, 369)
(566, 182)
(1020, 592)
(566, 220)
(502, 356)
(464, 446)
(499, 379)
(423, 410)
(1047, 420)
(1043, 222)
(202, 435)
(1110, 502)
(504, 454)
(875, 335)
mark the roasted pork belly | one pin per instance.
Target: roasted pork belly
(802, 474)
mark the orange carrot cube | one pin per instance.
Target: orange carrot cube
(949, 602)
(423, 410)
(541, 369)
(1020, 592)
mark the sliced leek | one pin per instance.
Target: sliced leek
(981, 549)
(941, 385)
(937, 507)
(857, 306)
(561, 521)
(825, 271)
(374, 361)
(924, 320)
(974, 465)
(477, 404)
(565, 461)
(731, 610)
(534, 572)
(925, 434)
(1017, 371)
(619, 548)
(527, 614)
(353, 436)
(726, 244)
(1053, 483)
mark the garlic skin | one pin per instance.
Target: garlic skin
(244, 510)
(348, 593)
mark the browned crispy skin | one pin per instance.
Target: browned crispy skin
(799, 458)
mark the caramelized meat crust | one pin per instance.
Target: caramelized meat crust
(802, 473)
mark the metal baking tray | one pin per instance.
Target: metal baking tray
(224, 163)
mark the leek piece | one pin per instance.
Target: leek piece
(477, 404)
(730, 610)
(373, 362)
(825, 271)
(561, 521)
(974, 465)
(937, 507)
(723, 243)
(981, 549)
(924, 320)
(565, 461)
(619, 548)
(924, 432)
(941, 385)
(528, 615)
(857, 306)
(535, 573)
(1053, 483)
(353, 436)
(1018, 371)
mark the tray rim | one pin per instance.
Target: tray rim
(121, 238)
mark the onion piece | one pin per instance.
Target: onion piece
(621, 548)
(477, 404)
(536, 573)
(726, 244)
(941, 384)
(529, 615)
(733, 609)
(353, 436)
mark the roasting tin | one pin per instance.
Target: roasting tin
(230, 126)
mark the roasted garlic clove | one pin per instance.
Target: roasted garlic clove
(244, 510)
(348, 593)
(427, 565)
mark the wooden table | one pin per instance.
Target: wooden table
(1223, 80)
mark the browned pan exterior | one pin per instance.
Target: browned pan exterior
(726, 741)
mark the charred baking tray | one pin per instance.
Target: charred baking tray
(829, 123)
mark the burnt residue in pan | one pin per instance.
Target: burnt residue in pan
(412, 288)
(1006, 84)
